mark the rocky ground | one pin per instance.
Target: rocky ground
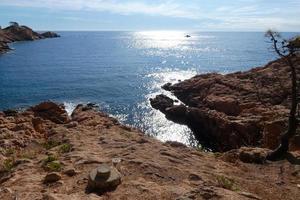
(15, 33)
(229, 111)
(45, 154)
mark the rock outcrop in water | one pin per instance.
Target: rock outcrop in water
(14, 33)
(42, 158)
(239, 109)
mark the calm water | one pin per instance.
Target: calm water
(120, 71)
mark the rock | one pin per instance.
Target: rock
(52, 177)
(176, 113)
(51, 111)
(161, 102)
(250, 195)
(15, 32)
(38, 125)
(70, 172)
(104, 178)
(166, 86)
(253, 155)
(21, 33)
(72, 124)
(22, 161)
(50, 34)
(227, 105)
(10, 112)
(49, 197)
(176, 144)
(229, 111)
(5, 176)
(194, 177)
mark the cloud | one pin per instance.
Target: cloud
(215, 14)
(168, 8)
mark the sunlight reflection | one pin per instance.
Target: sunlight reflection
(162, 39)
(155, 123)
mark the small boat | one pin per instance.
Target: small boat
(187, 36)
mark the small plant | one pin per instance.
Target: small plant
(27, 155)
(226, 183)
(8, 164)
(217, 154)
(50, 144)
(65, 148)
(50, 158)
(9, 152)
(52, 164)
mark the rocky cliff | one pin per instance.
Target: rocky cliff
(46, 154)
(16, 33)
(239, 109)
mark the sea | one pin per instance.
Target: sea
(119, 71)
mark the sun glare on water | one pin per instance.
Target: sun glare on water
(161, 39)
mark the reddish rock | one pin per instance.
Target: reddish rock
(51, 111)
(15, 33)
(161, 102)
(233, 110)
(148, 168)
(50, 34)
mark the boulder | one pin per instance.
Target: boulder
(104, 178)
(70, 172)
(161, 102)
(253, 155)
(51, 111)
(52, 177)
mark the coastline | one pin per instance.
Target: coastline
(15, 33)
(229, 111)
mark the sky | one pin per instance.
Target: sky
(197, 15)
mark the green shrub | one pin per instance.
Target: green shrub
(65, 148)
(54, 166)
(226, 183)
(8, 165)
(51, 164)
(9, 152)
(50, 144)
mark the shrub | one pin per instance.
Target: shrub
(65, 148)
(226, 183)
(8, 164)
(52, 164)
(50, 144)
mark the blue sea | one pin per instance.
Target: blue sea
(120, 71)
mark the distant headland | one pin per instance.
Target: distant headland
(16, 32)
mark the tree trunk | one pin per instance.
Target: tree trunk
(283, 148)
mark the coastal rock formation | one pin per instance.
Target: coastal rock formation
(55, 163)
(229, 111)
(3, 42)
(50, 34)
(51, 111)
(15, 32)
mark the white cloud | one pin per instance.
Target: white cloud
(169, 8)
(226, 14)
